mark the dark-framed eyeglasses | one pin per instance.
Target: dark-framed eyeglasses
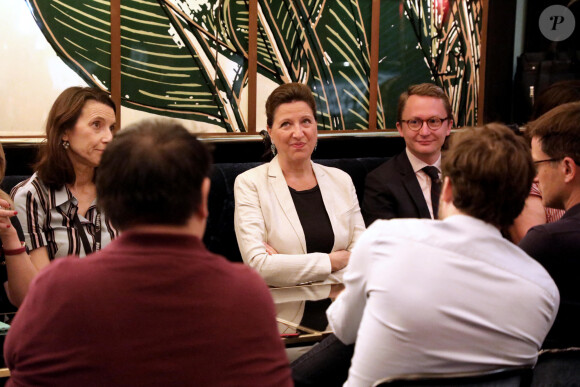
(433, 123)
(536, 162)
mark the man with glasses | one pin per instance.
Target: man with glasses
(408, 185)
(556, 153)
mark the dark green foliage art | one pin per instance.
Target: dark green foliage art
(188, 58)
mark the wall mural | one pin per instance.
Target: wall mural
(188, 58)
(448, 35)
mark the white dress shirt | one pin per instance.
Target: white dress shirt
(422, 177)
(440, 296)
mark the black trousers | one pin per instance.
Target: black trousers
(325, 365)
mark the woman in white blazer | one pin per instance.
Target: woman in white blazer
(296, 221)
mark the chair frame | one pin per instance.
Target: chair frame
(446, 379)
(557, 366)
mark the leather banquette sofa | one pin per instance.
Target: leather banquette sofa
(220, 236)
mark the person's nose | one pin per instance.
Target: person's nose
(424, 130)
(107, 136)
(297, 131)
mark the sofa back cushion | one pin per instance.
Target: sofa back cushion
(220, 236)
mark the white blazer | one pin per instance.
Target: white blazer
(265, 212)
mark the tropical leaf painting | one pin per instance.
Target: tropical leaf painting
(189, 59)
(448, 33)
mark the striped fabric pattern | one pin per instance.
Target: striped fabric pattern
(552, 214)
(47, 218)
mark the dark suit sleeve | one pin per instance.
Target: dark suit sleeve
(537, 244)
(378, 201)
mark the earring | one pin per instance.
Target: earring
(65, 144)
(273, 149)
(315, 146)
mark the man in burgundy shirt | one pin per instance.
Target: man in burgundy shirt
(154, 308)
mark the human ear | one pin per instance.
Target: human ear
(570, 169)
(447, 190)
(399, 129)
(203, 207)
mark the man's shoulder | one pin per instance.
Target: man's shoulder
(402, 227)
(566, 226)
(553, 238)
(62, 274)
(391, 167)
(220, 269)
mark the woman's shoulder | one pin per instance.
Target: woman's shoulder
(31, 185)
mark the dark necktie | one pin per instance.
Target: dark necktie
(435, 188)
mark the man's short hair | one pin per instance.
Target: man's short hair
(559, 131)
(423, 90)
(491, 171)
(151, 174)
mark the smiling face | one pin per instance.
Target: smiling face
(425, 143)
(90, 135)
(294, 132)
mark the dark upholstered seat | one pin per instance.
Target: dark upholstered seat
(220, 236)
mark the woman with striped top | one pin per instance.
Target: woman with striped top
(57, 205)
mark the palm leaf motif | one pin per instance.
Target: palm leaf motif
(449, 35)
(188, 58)
(324, 44)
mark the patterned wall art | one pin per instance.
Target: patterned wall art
(448, 34)
(189, 58)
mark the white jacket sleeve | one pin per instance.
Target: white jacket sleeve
(291, 266)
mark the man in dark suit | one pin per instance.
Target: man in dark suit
(408, 185)
(556, 153)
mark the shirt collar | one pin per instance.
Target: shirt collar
(63, 195)
(418, 164)
(474, 224)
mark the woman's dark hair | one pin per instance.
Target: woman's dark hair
(286, 93)
(152, 173)
(54, 167)
(555, 95)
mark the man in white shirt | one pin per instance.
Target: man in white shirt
(427, 296)
(408, 185)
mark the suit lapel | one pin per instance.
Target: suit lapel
(282, 193)
(412, 185)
